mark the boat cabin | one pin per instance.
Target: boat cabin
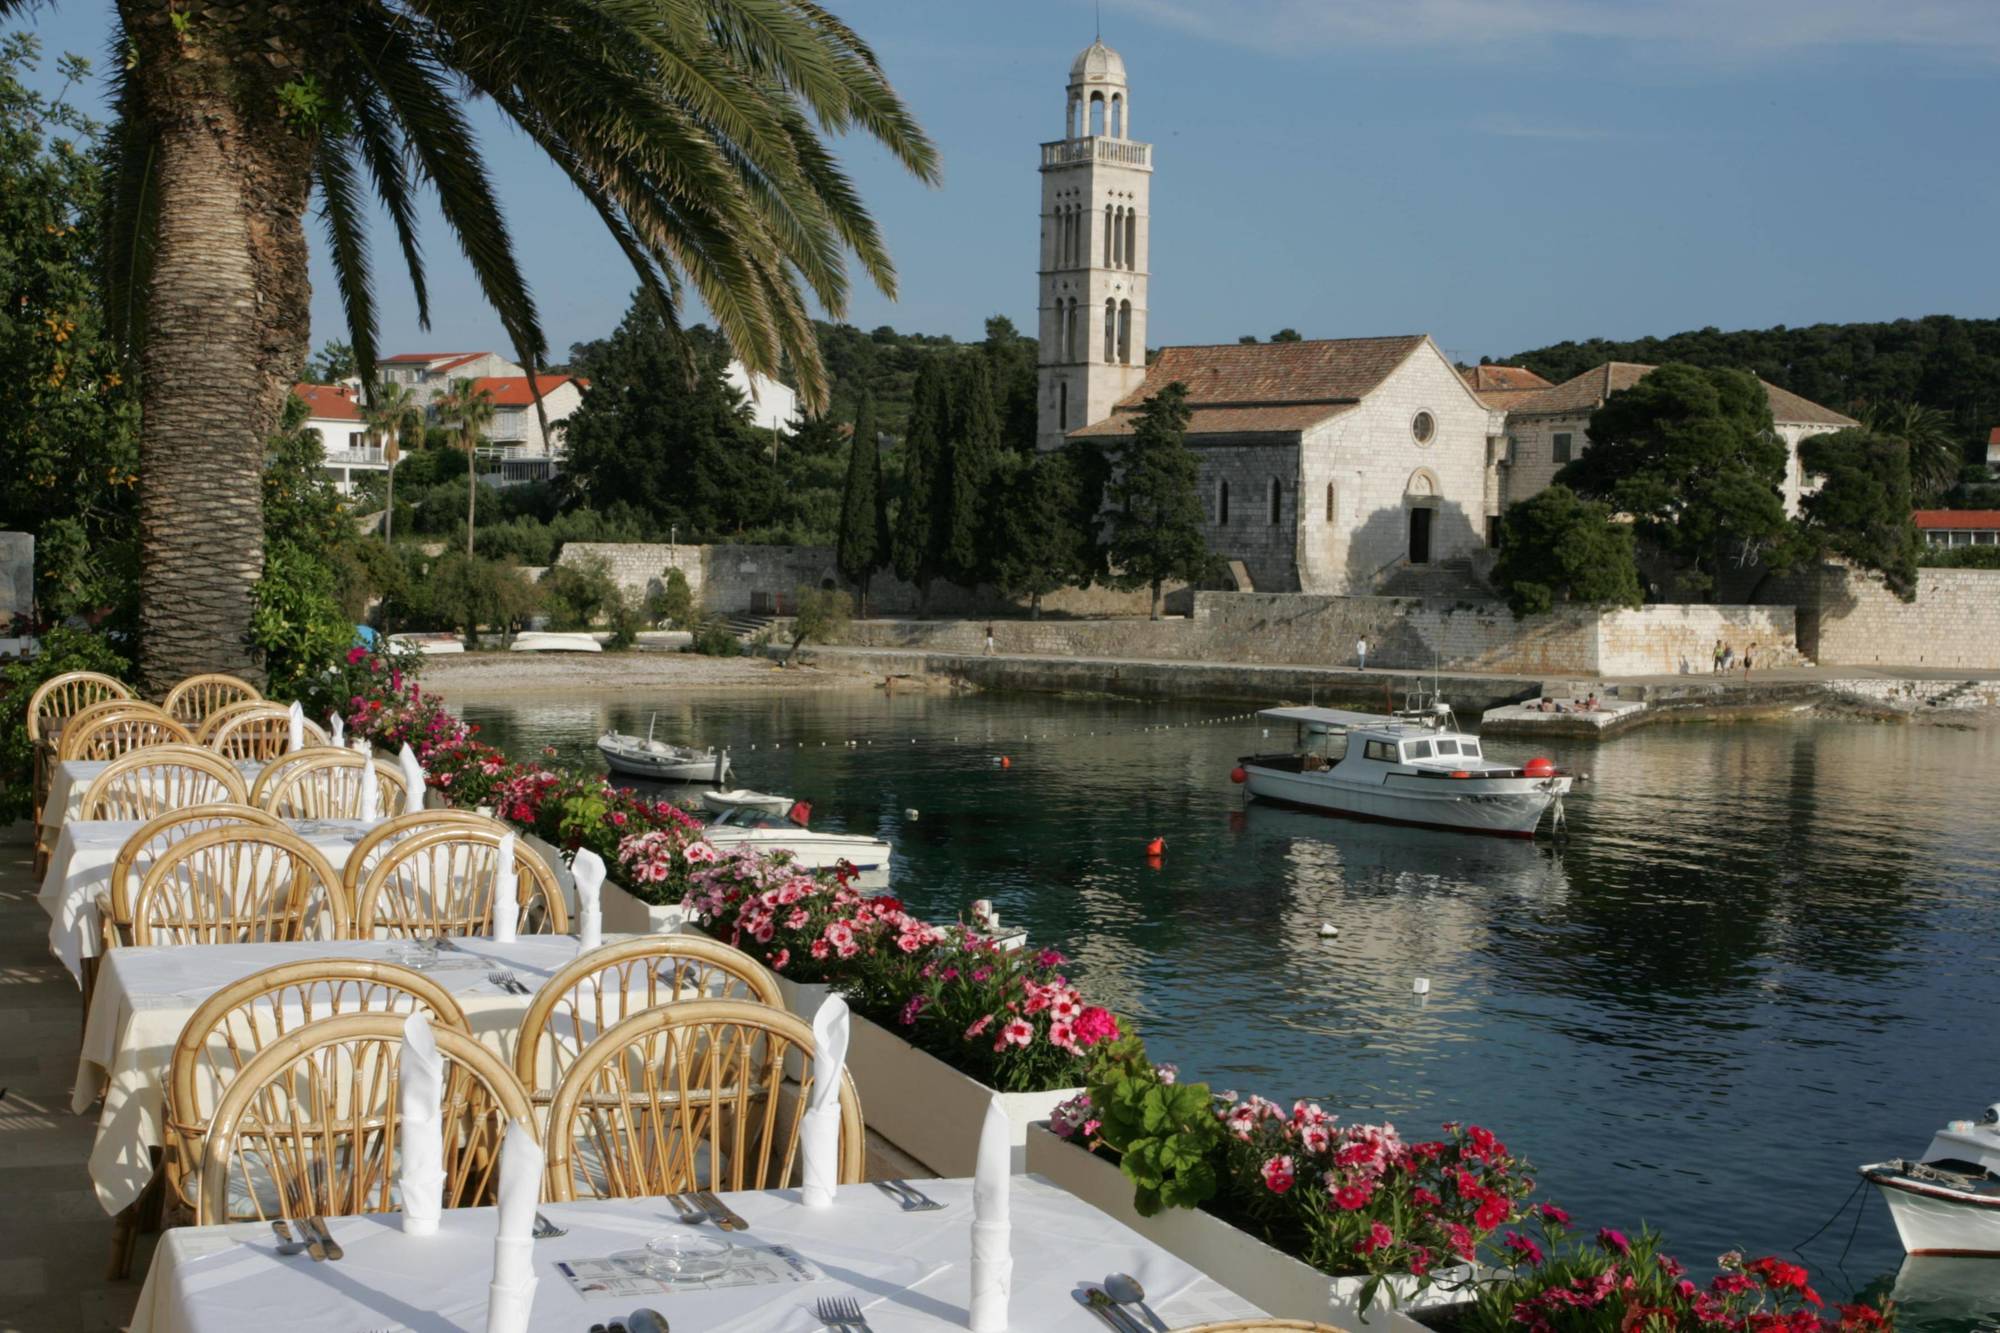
(1423, 742)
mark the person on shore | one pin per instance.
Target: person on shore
(1361, 652)
(1728, 657)
(1748, 650)
(1718, 656)
(989, 639)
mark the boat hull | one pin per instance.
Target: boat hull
(705, 768)
(810, 851)
(1934, 1218)
(1496, 807)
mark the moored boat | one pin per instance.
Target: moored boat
(544, 641)
(1947, 1202)
(644, 757)
(742, 798)
(1414, 768)
(810, 848)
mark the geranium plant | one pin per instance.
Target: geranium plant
(1163, 1132)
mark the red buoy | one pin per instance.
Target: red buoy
(1005, 762)
(1539, 767)
(1238, 775)
(1461, 773)
(1157, 847)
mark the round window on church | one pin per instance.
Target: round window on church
(1424, 427)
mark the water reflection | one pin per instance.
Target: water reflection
(1766, 953)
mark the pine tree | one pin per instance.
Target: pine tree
(1156, 514)
(914, 549)
(973, 452)
(863, 542)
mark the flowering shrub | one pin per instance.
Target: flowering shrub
(1618, 1285)
(1163, 1132)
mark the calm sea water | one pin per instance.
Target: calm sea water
(1765, 955)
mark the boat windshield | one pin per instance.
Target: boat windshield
(1328, 743)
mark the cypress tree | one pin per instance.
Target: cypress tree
(1156, 514)
(973, 453)
(914, 549)
(863, 544)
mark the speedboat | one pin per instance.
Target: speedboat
(644, 757)
(810, 848)
(1411, 767)
(1948, 1201)
(742, 798)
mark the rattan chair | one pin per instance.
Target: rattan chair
(398, 827)
(211, 724)
(106, 731)
(238, 883)
(231, 1026)
(261, 732)
(53, 703)
(151, 839)
(327, 785)
(690, 1096)
(313, 1118)
(441, 883)
(1260, 1326)
(158, 779)
(192, 700)
(602, 988)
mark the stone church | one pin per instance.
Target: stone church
(1340, 466)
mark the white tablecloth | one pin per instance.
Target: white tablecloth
(907, 1270)
(145, 996)
(72, 778)
(80, 871)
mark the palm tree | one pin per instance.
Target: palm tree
(1936, 453)
(393, 416)
(466, 412)
(692, 127)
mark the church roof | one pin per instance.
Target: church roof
(1502, 387)
(1586, 393)
(1097, 63)
(1263, 388)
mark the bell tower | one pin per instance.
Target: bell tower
(1096, 216)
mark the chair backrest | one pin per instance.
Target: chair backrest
(158, 779)
(163, 831)
(689, 1096)
(600, 989)
(328, 786)
(269, 775)
(261, 732)
(441, 883)
(195, 698)
(395, 829)
(122, 728)
(211, 724)
(315, 1115)
(231, 1026)
(61, 697)
(239, 883)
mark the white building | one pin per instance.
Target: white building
(515, 436)
(773, 405)
(428, 374)
(334, 413)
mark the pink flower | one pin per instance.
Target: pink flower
(913, 1007)
(1613, 1241)
(779, 959)
(1278, 1174)
(1353, 1197)
(820, 949)
(1379, 1237)
(1094, 1025)
(1016, 1032)
(978, 1027)
(1554, 1215)
(840, 935)
(1315, 1138)
(1528, 1252)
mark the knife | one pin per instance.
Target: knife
(333, 1250)
(1110, 1314)
(720, 1212)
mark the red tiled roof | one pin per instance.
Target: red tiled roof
(1263, 388)
(1585, 393)
(328, 402)
(406, 358)
(456, 362)
(1484, 378)
(512, 390)
(1957, 520)
(1994, 438)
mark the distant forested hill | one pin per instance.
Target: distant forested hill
(1941, 361)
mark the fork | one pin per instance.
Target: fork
(842, 1312)
(547, 1230)
(506, 981)
(689, 1215)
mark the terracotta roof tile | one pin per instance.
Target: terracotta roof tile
(512, 390)
(1994, 438)
(1263, 388)
(456, 362)
(1585, 393)
(406, 358)
(1487, 378)
(328, 402)
(1957, 520)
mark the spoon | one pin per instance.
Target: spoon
(647, 1321)
(1125, 1289)
(1109, 1310)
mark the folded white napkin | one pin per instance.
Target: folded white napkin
(413, 779)
(295, 727)
(506, 895)
(588, 868)
(371, 792)
(992, 1256)
(336, 727)
(512, 1294)
(819, 1128)
(419, 1097)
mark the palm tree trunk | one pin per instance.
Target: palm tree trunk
(471, 493)
(227, 306)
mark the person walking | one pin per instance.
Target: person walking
(989, 638)
(1718, 657)
(1748, 651)
(1361, 652)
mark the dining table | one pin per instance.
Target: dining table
(144, 997)
(69, 783)
(909, 1271)
(78, 876)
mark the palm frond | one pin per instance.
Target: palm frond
(347, 239)
(375, 130)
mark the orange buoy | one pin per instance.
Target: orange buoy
(1005, 762)
(1461, 773)
(1237, 775)
(1539, 767)
(1157, 847)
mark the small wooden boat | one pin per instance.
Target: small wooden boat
(742, 798)
(543, 641)
(810, 849)
(644, 757)
(1947, 1203)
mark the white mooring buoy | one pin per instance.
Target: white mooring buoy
(1327, 930)
(911, 814)
(1421, 986)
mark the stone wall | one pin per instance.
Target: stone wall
(1268, 550)
(737, 579)
(1850, 619)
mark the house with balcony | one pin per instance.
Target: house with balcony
(333, 411)
(429, 374)
(515, 439)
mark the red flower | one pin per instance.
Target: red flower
(1278, 1174)
(1614, 1242)
(1378, 1237)
(1554, 1215)
(1529, 1252)
(1353, 1197)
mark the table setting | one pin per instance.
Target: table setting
(70, 781)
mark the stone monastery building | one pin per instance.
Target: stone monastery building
(1340, 466)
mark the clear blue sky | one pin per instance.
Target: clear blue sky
(1498, 173)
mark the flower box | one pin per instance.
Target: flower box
(1278, 1283)
(625, 914)
(917, 1101)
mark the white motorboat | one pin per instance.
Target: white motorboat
(1413, 767)
(810, 848)
(742, 798)
(1947, 1202)
(644, 757)
(543, 641)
